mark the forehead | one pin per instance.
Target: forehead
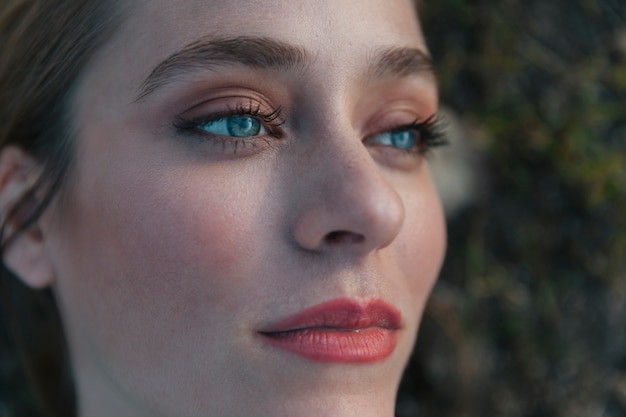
(334, 31)
(296, 20)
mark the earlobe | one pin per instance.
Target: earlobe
(23, 250)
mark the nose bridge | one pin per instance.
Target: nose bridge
(349, 202)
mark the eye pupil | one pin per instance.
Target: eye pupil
(243, 126)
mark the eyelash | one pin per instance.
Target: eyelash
(429, 131)
(431, 134)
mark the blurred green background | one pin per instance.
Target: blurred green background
(529, 316)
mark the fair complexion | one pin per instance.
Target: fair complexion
(186, 230)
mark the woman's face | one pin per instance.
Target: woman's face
(240, 162)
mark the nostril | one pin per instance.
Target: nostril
(342, 236)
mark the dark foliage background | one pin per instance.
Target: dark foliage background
(529, 317)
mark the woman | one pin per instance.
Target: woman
(235, 214)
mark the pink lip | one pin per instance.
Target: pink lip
(340, 330)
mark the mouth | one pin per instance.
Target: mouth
(341, 330)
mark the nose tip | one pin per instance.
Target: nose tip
(349, 206)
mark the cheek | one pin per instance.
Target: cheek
(421, 245)
(146, 250)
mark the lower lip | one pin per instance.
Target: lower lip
(370, 344)
(340, 330)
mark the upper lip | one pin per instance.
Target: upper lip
(341, 314)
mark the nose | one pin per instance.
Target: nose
(346, 201)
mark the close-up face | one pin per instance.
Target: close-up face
(249, 227)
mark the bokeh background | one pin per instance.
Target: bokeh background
(529, 317)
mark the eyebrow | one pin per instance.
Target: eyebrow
(401, 62)
(268, 53)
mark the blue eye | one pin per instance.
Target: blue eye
(239, 126)
(402, 139)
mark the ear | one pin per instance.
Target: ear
(25, 253)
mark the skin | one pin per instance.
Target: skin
(169, 253)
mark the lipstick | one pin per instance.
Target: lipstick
(340, 330)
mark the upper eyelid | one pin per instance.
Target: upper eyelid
(242, 100)
(431, 126)
(386, 126)
(267, 113)
(192, 100)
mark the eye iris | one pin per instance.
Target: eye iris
(243, 126)
(404, 139)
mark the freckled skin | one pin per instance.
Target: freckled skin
(171, 254)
